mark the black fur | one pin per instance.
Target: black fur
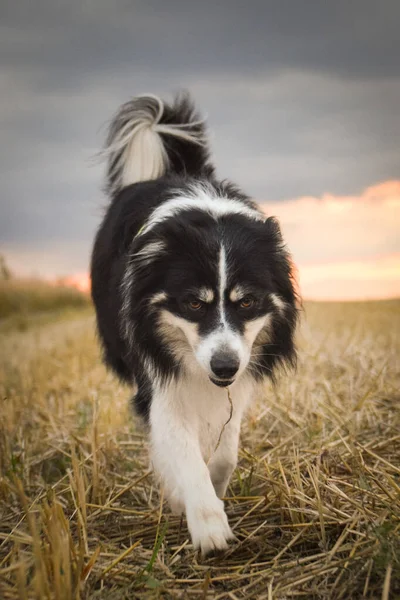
(256, 258)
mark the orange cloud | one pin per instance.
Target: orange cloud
(345, 247)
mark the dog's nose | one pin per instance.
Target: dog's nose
(224, 365)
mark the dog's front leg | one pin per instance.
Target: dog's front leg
(223, 462)
(177, 458)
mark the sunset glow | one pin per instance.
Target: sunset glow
(352, 280)
(81, 281)
(345, 247)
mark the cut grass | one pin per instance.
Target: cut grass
(314, 503)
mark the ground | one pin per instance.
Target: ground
(314, 502)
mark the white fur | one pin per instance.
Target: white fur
(186, 418)
(202, 197)
(222, 339)
(189, 329)
(143, 155)
(144, 257)
(254, 327)
(278, 303)
(149, 252)
(223, 276)
(126, 290)
(237, 293)
(158, 297)
(206, 295)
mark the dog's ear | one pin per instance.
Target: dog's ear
(274, 230)
(282, 267)
(280, 348)
(276, 245)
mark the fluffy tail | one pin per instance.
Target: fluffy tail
(148, 138)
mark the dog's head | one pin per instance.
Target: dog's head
(217, 292)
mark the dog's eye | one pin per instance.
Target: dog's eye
(247, 302)
(195, 305)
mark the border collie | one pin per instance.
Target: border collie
(193, 291)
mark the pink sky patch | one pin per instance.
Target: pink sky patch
(345, 247)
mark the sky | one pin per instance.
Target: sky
(302, 100)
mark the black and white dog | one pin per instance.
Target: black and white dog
(193, 291)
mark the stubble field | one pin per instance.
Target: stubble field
(314, 502)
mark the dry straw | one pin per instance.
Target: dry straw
(314, 503)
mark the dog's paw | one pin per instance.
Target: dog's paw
(209, 528)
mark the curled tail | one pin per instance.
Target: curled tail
(148, 138)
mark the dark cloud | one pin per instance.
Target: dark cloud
(301, 96)
(357, 38)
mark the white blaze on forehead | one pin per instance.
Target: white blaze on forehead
(222, 284)
(204, 198)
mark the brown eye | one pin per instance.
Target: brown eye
(246, 302)
(195, 305)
